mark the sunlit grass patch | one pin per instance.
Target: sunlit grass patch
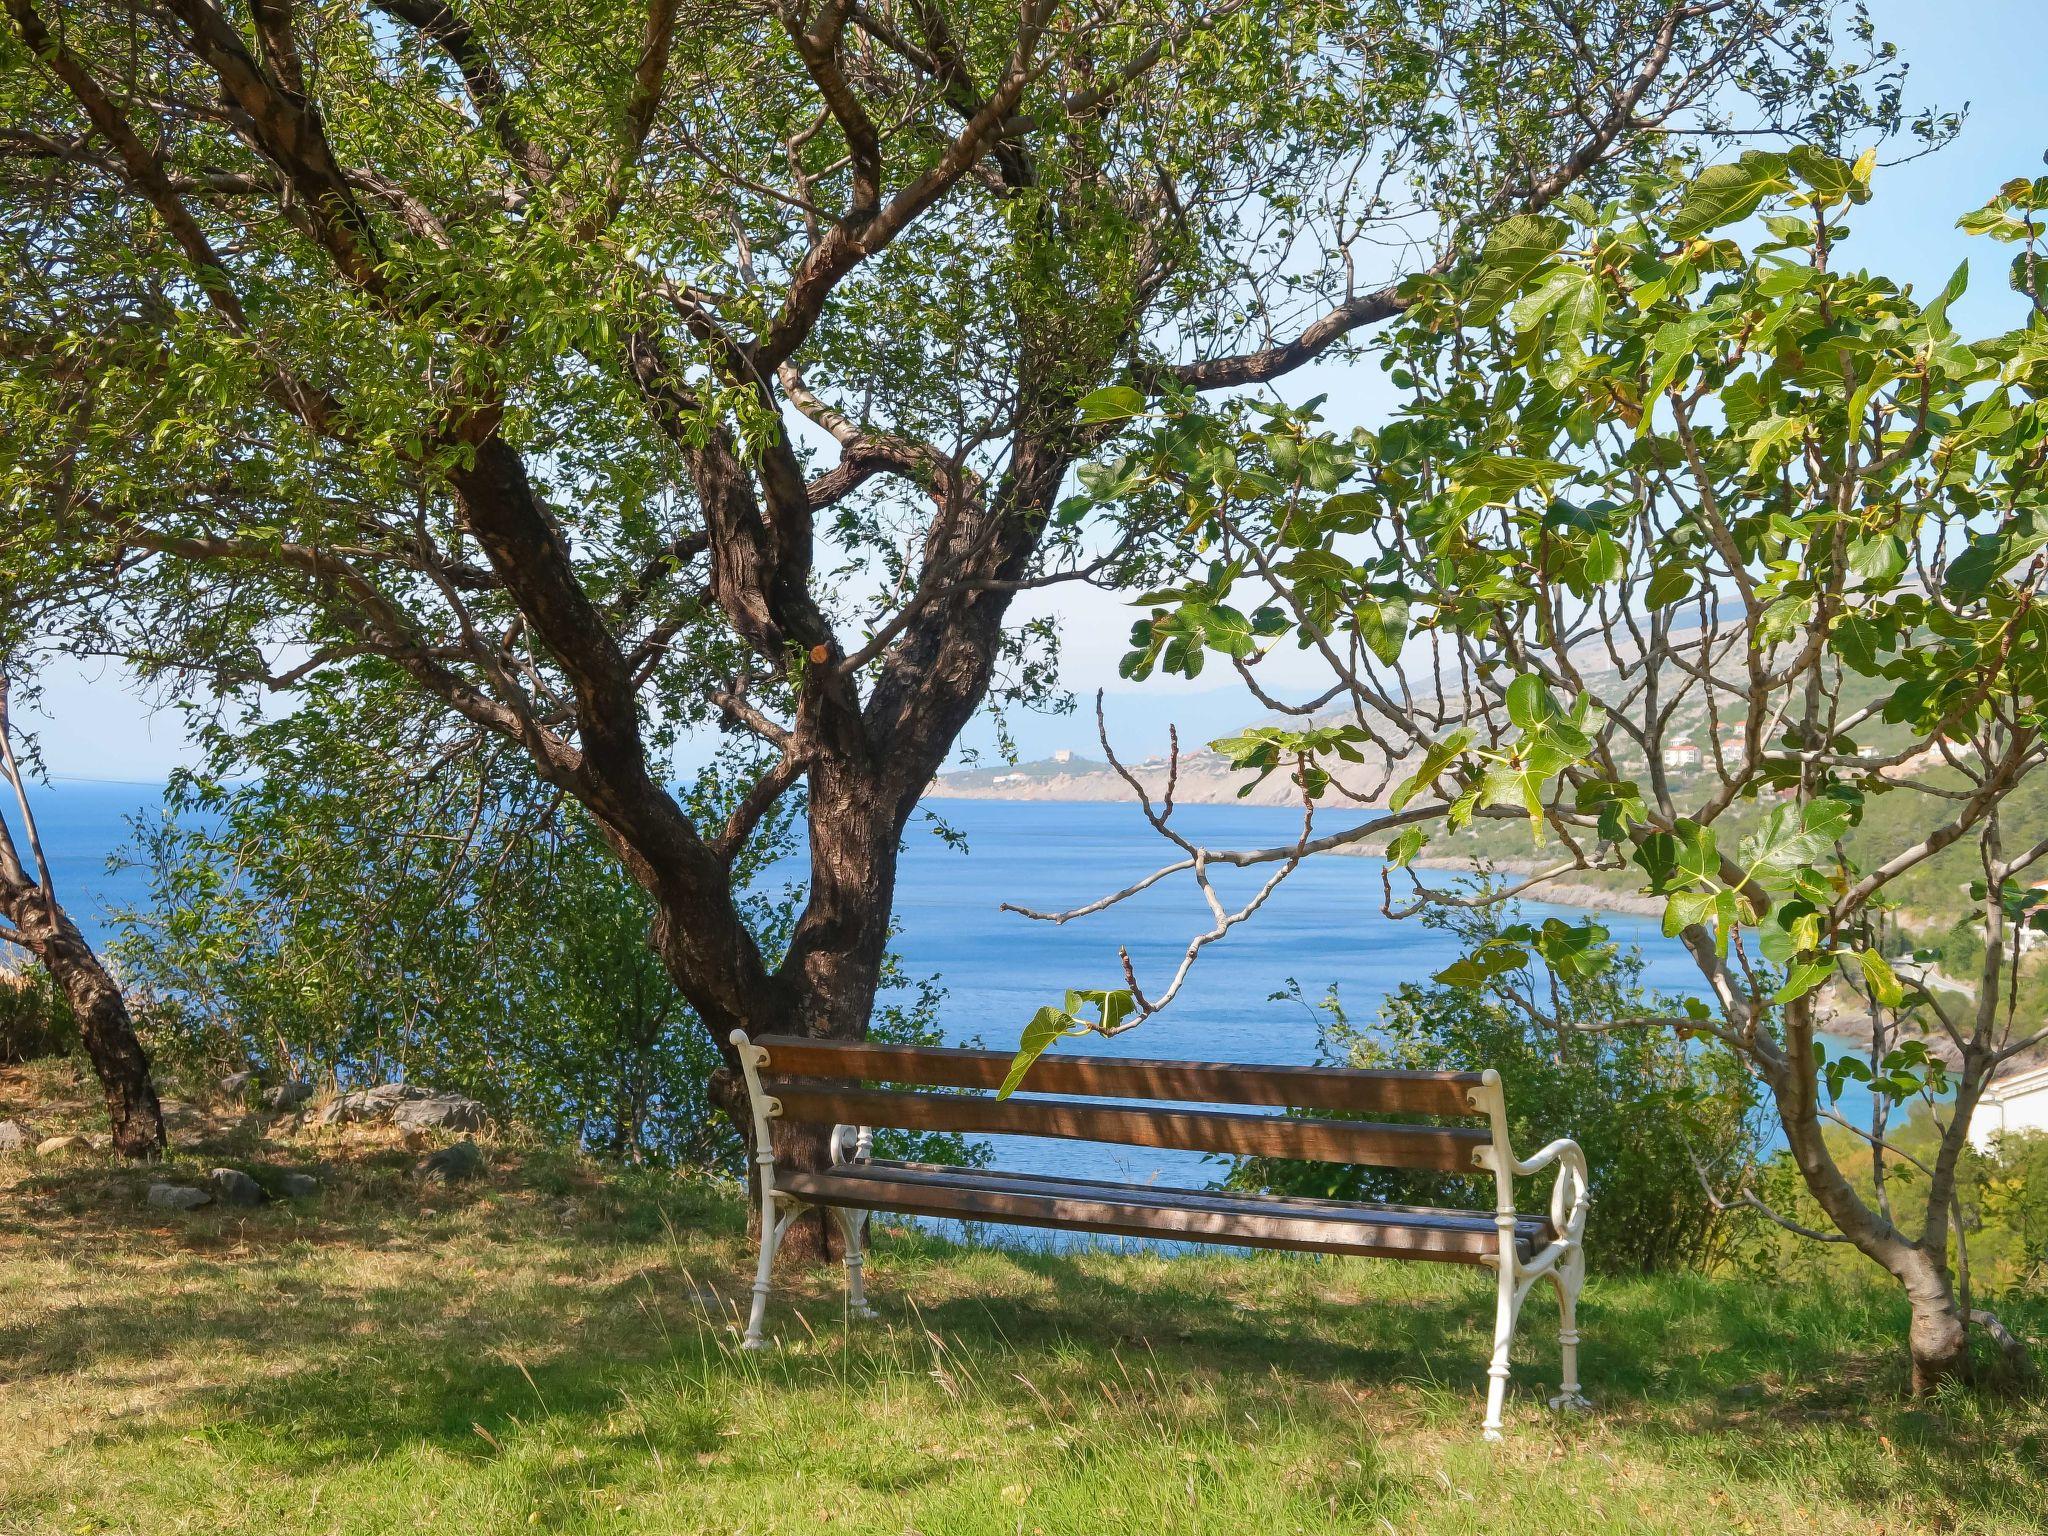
(556, 1349)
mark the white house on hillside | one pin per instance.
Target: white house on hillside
(1681, 756)
(2015, 1103)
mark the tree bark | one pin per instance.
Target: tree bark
(1937, 1343)
(40, 924)
(104, 1024)
(1937, 1340)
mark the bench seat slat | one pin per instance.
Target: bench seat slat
(1277, 1087)
(1138, 1210)
(1441, 1147)
(1167, 1194)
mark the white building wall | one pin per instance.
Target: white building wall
(2017, 1103)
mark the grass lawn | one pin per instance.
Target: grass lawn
(553, 1349)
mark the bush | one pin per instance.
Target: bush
(2009, 1243)
(1655, 1114)
(35, 1016)
(465, 930)
(2001, 1197)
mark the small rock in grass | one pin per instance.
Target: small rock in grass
(287, 1095)
(51, 1146)
(235, 1084)
(15, 1136)
(234, 1187)
(178, 1197)
(444, 1112)
(298, 1186)
(451, 1165)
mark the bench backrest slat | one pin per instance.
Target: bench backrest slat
(1325, 1088)
(1442, 1147)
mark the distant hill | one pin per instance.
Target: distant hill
(1205, 778)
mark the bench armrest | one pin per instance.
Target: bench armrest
(852, 1144)
(1571, 1194)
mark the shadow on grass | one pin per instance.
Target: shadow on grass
(612, 1322)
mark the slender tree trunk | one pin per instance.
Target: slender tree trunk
(28, 902)
(1937, 1339)
(104, 1025)
(1937, 1343)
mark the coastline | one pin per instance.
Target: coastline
(1559, 893)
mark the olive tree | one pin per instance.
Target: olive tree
(624, 375)
(1659, 496)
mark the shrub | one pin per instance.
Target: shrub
(2009, 1246)
(1655, 1115)
(35, 1018)
(466, 930)
(2001, 1200)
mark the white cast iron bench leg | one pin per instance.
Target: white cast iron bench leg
(1562, 1261)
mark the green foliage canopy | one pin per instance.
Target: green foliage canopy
(1661, 494)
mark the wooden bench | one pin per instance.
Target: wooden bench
(827, 1083)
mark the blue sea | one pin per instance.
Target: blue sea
(1322, 928)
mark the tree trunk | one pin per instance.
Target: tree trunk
(1936, 1342)
(1937, 1339)
(104, 1025)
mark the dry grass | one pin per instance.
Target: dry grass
(552, 1349)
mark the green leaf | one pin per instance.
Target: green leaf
(1803, 977)
(1783, 844)
(1575, 951)
(1698, 851)
(1517, 246)
(1604, 559)
(1404, 848)
(1935, 315)
(1530, 704)
(1383, 626)
(1439, 757)
(1347, 504)
(1112, 402)
(1726, 194)
(1669, 584)
(1878, 558)
(1822, 171)
(1770, 438)
(1496, 957)
(1497, 476)
(1686, 908)
(1989, 556)
(1883, 980)
(1855, 641)
(1046, 1026)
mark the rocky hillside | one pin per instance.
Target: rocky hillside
(1206, 778)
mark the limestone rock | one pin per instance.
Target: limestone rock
(235, 1084)
(178, 1197)
(231, 1186)
(15, 1136)
(289, 1095)
(451, 1165)
(298, 1186)
(443, 1112)
(370, 1103)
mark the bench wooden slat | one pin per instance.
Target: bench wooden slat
(1136, 1211)
(1167, 1194)
(1326, 1088)
(1441, 1147)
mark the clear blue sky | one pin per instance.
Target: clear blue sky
(1983, 52)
